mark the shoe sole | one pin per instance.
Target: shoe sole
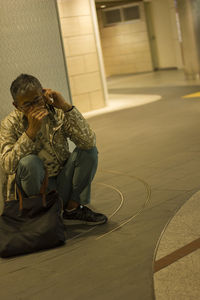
(78, 222)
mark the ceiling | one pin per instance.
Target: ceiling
(111, 3)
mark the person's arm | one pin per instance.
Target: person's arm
(79, 130)
(75, 126)
(12, 148)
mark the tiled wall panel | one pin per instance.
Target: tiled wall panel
(125, 47)
(81, 54)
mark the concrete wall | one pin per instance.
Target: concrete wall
(189, 20)
(175, 35)
(81, 54)
(166, 34)
(30, 43)
(125, 46)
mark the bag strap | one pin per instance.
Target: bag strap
(42, 192)
(43, 188)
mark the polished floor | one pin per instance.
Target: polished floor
(178, 276)
(148, 184)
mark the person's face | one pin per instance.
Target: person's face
(31, 99)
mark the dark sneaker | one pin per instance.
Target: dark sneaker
(83, 215)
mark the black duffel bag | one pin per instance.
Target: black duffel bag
(31, 223)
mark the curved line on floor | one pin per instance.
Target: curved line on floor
(121, 195)
(148, 188)
(84, 233)
(120, 205)
(122, 224)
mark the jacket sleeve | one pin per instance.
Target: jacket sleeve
(78, 130)
(12, 148)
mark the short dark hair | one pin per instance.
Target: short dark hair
(23, 83)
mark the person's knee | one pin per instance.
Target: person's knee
(91, 154)
(30, 163)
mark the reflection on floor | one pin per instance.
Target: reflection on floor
(122, 101)
(118, 101)
(167, 78)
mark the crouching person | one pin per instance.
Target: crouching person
(34, 138)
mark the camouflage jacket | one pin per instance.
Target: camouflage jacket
(51, 143)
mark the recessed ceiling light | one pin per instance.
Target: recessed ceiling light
(103, 6)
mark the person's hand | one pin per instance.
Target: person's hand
(56, 99)
(35, 115)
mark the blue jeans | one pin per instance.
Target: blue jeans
(72, 183)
